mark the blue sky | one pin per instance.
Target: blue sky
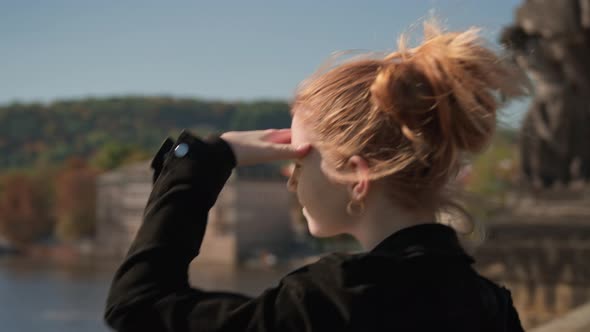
(234, 50)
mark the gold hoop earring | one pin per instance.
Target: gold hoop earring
(355, 208)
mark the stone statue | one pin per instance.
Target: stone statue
(551, 41)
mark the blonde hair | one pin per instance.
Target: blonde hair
(412, 114)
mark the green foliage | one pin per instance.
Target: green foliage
(496, 169)
(261, 115)
(493, 175)
(36, 134)
(113, 155)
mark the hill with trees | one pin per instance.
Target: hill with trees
(39, 134)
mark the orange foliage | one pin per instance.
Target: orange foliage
(75, 201)
(24, 210)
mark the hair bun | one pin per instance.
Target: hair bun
(403, 91)
(443, 93)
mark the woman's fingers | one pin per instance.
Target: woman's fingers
(288, 151)
(278, 136)
(259, 146)
(281, 147)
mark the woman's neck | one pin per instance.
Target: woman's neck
(379, 221)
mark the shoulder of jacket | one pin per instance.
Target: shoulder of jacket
(325, 261)
(330, 271)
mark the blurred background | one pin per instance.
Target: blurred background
(91, 89)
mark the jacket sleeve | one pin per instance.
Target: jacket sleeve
(150, 290)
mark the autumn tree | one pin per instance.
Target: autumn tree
(75, 200)
(24, 209)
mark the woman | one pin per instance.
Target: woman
(376, 142)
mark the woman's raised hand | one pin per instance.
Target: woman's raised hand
(259, 146)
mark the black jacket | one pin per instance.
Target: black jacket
(418, 279)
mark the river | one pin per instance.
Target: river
(38, 296)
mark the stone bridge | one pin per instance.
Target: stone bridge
(542, 256)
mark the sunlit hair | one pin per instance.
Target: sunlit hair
(413, 114)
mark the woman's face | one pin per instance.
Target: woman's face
(324, 201)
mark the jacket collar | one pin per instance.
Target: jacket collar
(424, 239)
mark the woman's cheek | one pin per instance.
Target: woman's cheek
(306, 191)
(302, 190)
(314, 195)
(311, 187)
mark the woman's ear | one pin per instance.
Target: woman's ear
(360, 188)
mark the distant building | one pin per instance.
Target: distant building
(253, 216)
